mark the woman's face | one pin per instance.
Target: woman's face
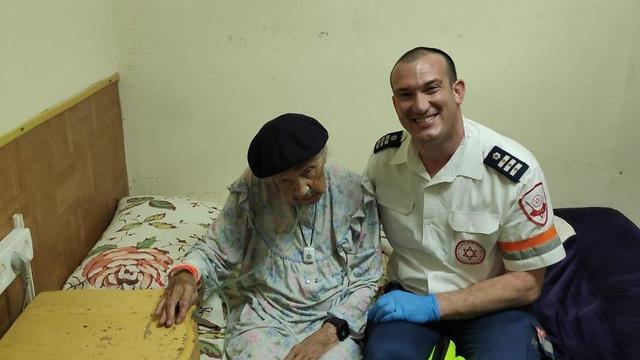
(303, 184)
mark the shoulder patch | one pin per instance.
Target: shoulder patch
(506, 164)
(390, 140)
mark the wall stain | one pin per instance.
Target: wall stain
(242, 41)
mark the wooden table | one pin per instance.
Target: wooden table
(97, 324)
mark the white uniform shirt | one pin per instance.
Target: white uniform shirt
(469, 222)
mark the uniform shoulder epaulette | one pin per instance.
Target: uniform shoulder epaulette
(506, 164)
(390, 140)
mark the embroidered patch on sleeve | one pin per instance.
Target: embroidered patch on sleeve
(506, 164)
(390, 140)
(534, 205)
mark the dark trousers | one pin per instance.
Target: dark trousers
(509, 335)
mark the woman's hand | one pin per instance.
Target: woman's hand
(180, 294)
(315, 345)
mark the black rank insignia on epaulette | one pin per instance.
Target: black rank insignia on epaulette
(390, 140)
(506, 164)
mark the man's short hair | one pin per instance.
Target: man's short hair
(416, 53)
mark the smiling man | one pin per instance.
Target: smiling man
(468, 215)
(305, 238)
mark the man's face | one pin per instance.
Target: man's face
(303, 184)
(427, 105)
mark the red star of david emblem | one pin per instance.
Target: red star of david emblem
(470, 252)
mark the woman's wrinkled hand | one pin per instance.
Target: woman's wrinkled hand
(181, 293)
(315, 345)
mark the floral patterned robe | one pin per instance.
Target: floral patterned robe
(284, 300)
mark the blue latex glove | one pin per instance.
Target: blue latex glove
(400, 305)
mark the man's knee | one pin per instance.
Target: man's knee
(510, 333)
(386, 349)
(399, 340)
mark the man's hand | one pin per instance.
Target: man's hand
(315, 345)
(405, 306)
(181, 293)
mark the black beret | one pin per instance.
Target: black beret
(284, 142)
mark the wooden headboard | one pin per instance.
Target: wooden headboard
(65, 176)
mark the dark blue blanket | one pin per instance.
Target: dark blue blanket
(590, 302)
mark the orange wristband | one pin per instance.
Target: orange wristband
(188, 267)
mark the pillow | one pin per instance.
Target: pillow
(147, 236)
(564, 229)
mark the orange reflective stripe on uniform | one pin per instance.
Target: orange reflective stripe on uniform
(530, 243)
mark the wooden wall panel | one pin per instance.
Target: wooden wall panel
(65, 176)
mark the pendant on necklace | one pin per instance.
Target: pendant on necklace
(308, 255)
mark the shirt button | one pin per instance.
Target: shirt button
(308, 281)
(316, 281)
(472, 228)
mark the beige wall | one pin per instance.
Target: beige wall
(50, 51)
(198, 80)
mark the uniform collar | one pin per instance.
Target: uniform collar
(466, 161)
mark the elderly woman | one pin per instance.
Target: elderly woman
(305, 238)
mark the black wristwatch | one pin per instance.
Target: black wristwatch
(342, 327)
